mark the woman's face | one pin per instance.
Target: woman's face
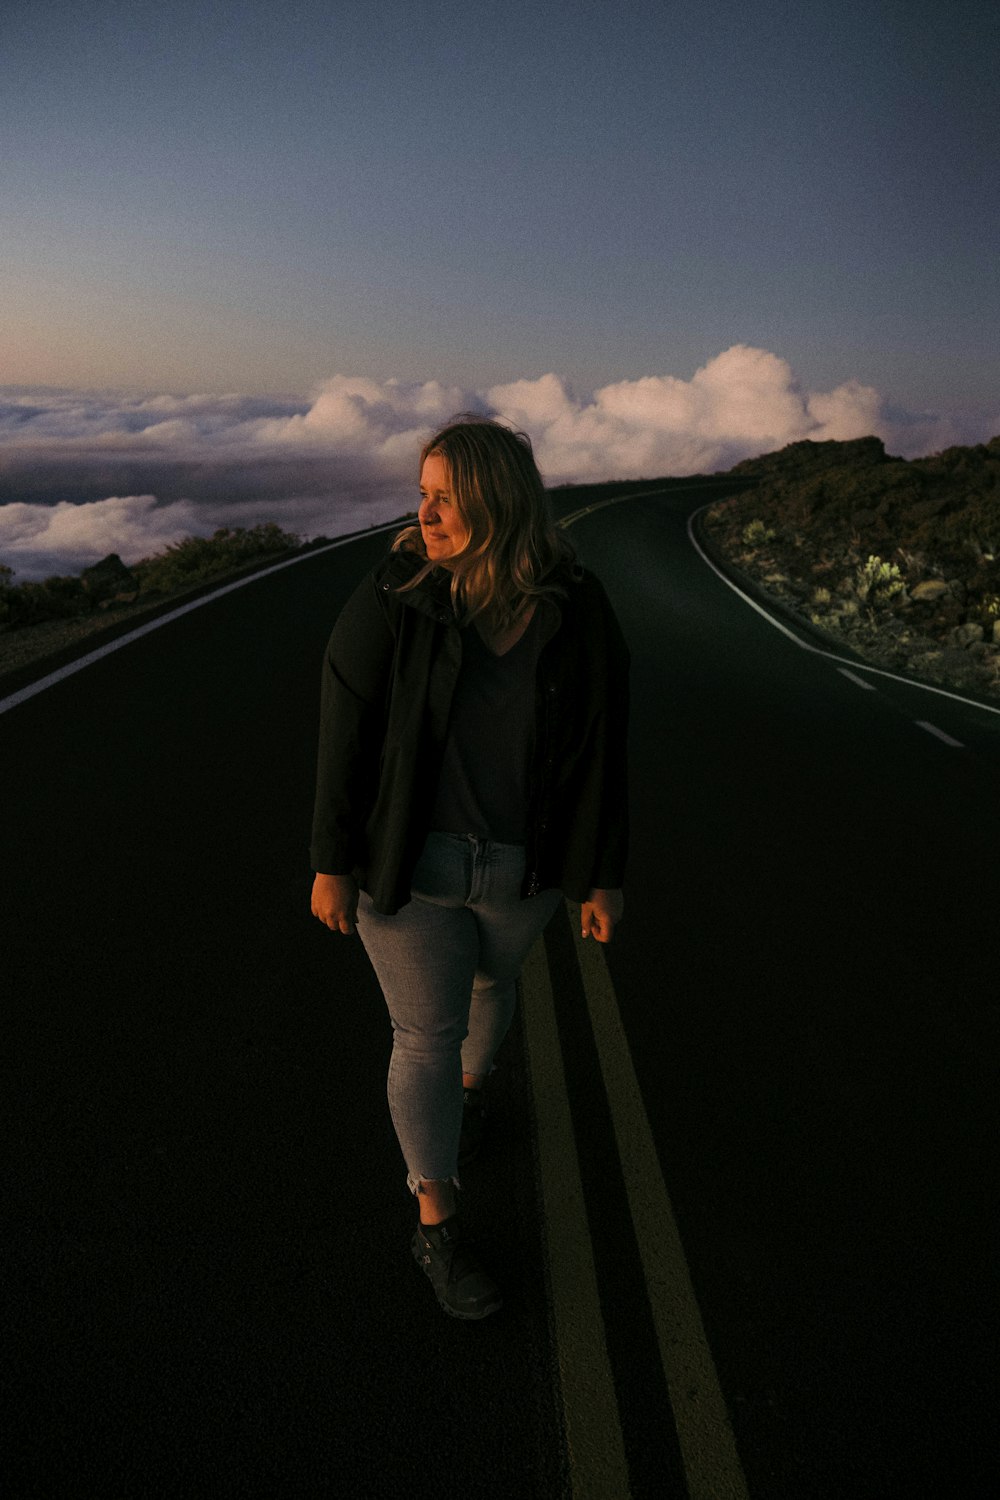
(442, 527)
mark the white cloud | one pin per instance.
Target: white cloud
(743, 402)
(41, 539)
(385, 423)
(85, 474)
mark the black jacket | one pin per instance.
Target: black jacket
(388, 678)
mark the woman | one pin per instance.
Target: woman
(471, 771)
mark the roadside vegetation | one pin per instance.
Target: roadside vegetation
(40, 618)
(183, 565)
(897, 560)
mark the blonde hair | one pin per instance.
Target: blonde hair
(512, 545)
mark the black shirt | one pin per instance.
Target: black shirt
(483, 784)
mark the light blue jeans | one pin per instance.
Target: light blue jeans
(448, 964)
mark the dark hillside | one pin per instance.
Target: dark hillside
(896, 559)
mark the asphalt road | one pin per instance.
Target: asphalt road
(210, 1290)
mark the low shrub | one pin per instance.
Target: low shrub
(183, 565)
(196, 559)
(55, 598)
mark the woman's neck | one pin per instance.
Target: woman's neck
(500, 640)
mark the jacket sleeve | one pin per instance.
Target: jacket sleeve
(585, 732)
(357, 671)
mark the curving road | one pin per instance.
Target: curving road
(211, 1289)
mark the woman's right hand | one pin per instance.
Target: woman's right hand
(335, 901)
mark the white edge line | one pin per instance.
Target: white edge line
(858, 666)
(939, 734)
(79, 662)
(858, 681)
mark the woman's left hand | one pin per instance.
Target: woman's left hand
(600, 913)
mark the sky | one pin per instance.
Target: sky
(251, 254)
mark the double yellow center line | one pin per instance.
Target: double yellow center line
(598, 1463)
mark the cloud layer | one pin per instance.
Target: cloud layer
(82, 475)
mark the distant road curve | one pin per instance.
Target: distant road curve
(698, 483)
(47, 679)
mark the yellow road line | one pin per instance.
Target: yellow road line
(590, 1409)
(708, 1448)
(597, 1458)
(586, 510)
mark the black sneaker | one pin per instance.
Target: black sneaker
(473, 1128)
(461, 1285)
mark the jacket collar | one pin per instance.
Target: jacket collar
(431, 596)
